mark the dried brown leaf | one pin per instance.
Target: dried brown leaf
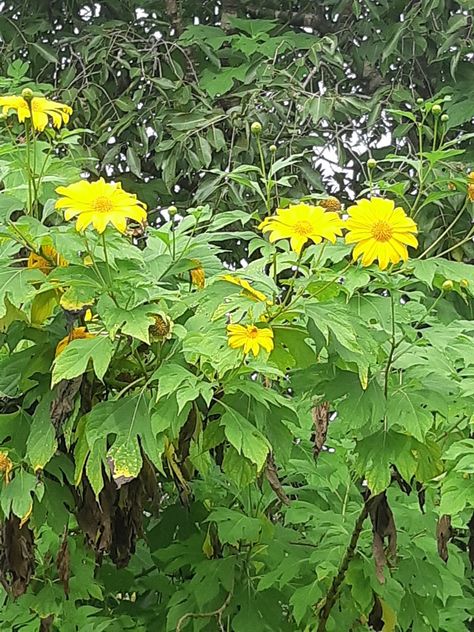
(383, 526)
(63, 560)
(320, 414)
(272, 477)
(443, 535)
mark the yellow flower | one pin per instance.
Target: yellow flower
(6, 465)
(470, 186)
(47, 260)
(41, 109)
(300, 223)
(250, 337)
(78, 333)
(248, 290)
(380, 231)
(197, 274)
(99, 203)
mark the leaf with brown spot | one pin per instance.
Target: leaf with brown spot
(443, 535)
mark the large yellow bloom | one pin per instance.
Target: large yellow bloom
(78, 333)
(300, 223)
(250, 337)
(41, 109)
(99, 203)
(197, 275)
(247, 289)
(380, 231)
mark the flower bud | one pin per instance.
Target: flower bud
(436, 109)
(371, 163)
(448, 98)
(27, 94)
(444, 118)
(256, 128)
(447, 285)
(172, 210)
(464, 283)
(273, 148)
(419, 100)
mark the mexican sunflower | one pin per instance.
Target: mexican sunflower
(100, 203)
(42, 110)
(470, 186)
(250, 337)
(380, 231)
(47, 260)
(301, 223)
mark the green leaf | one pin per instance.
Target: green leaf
(73, 361)
(133, 322)
(16, 496)
(41, 444)
(234, 526)
(245, 438)
(238, 469)
(125, 460)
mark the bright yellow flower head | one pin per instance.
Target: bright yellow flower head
(41, 109)
(6, 465)
(99, 203)
(380, 231)
(300, 223)
(47, 260)
(78, 333)
(250, 337)
(248, 290)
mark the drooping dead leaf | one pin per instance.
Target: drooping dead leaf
(63, 564)
(443, 535)
(63, 404)
(272, 478)
(320, 414)
(46, 623)
(383, 526)
(17, 559)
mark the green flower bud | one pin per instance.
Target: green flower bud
(273, 148)
(172, 210)
(447, 285)
(27, 94)
(444, 118)
(256, 128)
(419, 100)
(448, 98)
(436, 109)
(371, 163)
(464, 283)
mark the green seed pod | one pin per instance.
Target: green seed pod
(27, 94)
(256, 128)
(172, 210)
(436, 109)
(273, 148)
(444, 118)
(371, 163)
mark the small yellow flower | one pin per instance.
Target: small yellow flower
(250, 337)
(6, 465)
(330, 204)
(78, 333)
(41, 109)
(197, 274)
(470, 186)
(300, 223)
(380, 231)
(47, 260)
(99, 203)
(247, 289)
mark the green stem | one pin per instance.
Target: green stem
(28, 168)
(393, 346)
(264, 175)
(446, 231)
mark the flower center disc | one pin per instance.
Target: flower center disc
(303, 228)
(252, 332)
(382, 231)
(103, 204)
